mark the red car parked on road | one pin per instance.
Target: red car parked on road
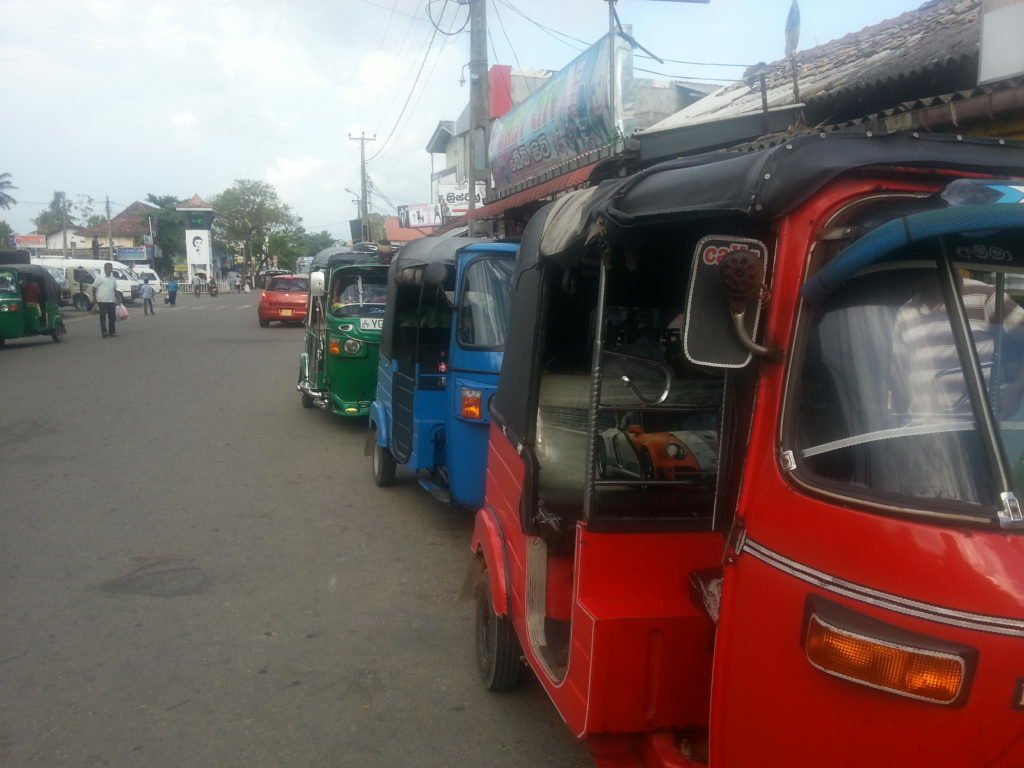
(284, 299)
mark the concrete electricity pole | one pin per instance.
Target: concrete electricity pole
(110, 237)
(479, 102)
(364, 208)
(64, 223)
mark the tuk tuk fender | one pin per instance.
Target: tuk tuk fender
(381, 423)
(489, 543)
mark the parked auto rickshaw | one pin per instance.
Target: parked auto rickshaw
(843, 585)
(444, 330)
(338, 369)
(29, 303)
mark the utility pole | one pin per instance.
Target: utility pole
(64, 223)
(110, 237)
(479, 101)
(364, 208)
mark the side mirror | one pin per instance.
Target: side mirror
(316, 283)
(723, 302)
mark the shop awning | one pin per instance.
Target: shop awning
(566, 181)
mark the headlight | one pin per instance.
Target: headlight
(8, 307)
(675, 451)
(352, 346)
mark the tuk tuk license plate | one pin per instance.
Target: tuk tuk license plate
(371, 323)
(286, 313)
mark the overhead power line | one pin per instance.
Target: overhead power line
(437, 25)
(696, 78)
(412, 90)
(561, 37)
(515, 55)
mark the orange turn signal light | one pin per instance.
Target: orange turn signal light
(334, 347)
(913, 672)
(472, 403)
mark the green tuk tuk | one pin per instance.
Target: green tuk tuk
(338, 367)
(29, 303)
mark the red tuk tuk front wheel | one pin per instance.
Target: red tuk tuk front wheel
(498, 655)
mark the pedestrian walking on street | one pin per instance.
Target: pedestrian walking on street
(238, 284)
(197, 285)
(104, 297)
(147, 298)
(172, 290)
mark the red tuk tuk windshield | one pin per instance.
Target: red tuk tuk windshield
(882, 408)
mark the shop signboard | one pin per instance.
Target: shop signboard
(132, 254)
(30, 241)
(452, 201)
(412, 216)
(569, 116)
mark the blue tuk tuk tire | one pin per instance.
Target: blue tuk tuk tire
(383, 465)
(499, 657)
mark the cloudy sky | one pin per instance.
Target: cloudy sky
(120, 98)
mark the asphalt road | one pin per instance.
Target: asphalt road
(196, 571)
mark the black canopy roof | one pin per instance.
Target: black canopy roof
(761, 184)
(48, 286)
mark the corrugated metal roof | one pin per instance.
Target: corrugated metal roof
(939, 33)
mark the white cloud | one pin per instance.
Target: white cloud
(184, 120)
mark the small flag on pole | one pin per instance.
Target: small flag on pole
(792, 29)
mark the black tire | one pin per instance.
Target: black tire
(307, 400)
(119, 296)
(58, 334)
(383, 465)
(81, 302)
(498, 655)
(264, 323)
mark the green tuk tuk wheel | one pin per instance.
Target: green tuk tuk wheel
(383, 464)
(307, 400)
(498, 655)
(58, 334)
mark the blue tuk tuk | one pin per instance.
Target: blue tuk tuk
(441, 349)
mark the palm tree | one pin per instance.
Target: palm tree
(6, 201)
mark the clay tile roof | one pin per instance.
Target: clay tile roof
(131, 222)
(195, 202)
(941, 33)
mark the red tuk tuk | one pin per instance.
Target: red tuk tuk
(756, 455)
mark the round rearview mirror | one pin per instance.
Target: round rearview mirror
(435, 273)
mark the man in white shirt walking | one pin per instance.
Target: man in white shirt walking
(104, 296)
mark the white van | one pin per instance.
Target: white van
(128, 286)
(145, 273)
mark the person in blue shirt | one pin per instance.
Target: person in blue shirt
(172, 290)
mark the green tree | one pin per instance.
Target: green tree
(6, 201)
(5, 234)
(317, 241)
(57, 213)
(249, 213)
(168, 231)
(377, 229)
(95, 221)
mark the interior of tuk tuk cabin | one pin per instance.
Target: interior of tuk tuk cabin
(422, 330)
(656, 466)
